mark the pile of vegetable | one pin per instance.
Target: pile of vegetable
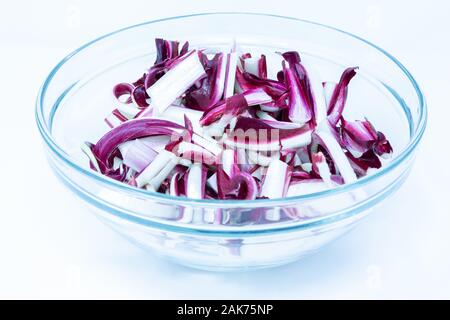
(231, 125)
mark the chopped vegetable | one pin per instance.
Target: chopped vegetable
(234, 126)
(300, 109)
(276, 181)
(327, 140)
(360, 137)
(264, 135)
(138, 155)
(105, 149)
(175, 82)
(157, 170)
(339, 97)
(195, 181)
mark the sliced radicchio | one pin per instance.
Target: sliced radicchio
(181, 75)
(361, 136)
(301, 102)
(339, 96)
(217, 84)
(325, 137)
(106, 147)
(277, 179)
(232, 183)
(122, 92)
(234, 105)
(255, 66)
(363, 163)
(264, 135)
(167, 53)
(138, 155)
(229, 125)
(195, 181)
(167, 49)
(247, 81)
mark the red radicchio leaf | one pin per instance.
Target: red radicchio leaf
(130, 130)
(237, 185)
(301, 101)
(234, 105)
(299, 174)
(382, 148)
(188, 126)
(177, 184)
(132, 182)
(262, 67)
(118, 174)
(195, 181)
(288, 156)
(119, 115)
(211, 87)
(166, 56)
(257, 133)
(247, 81)
(339, 96)
(140, 96)
(360, 165)
(166, 49)
(122, 92)
(360, 136)
(241, 186)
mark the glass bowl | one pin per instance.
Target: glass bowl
(227, 235)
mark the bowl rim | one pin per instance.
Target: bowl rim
(45, 130)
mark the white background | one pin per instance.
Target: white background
(51, 247)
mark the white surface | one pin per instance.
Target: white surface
(51, 247)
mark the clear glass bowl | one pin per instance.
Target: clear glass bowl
(227, 235)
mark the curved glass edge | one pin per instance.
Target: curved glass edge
(46, 134)
(237, 231)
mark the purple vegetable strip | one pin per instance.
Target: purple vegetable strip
(277, 180)
(127, 131)
(139, 96)
(256, 133)
(166, 49)
(364, 162)
(234, 105)
(230, 75)
(174, 190)
(257, 96)
(181, 75)
(247, 81)
(299, 174)
(212, 86)
(325, 137)
(115, 119)
(194, 153)
(138, 156)
(122, 92)
(232, 183)
(177, 185)
(301, 101)
(160, 68)
(195, 181)
(299, 109)
(245, 186)
(262, 67)
(360, 136)
(339, 97)
(320, 167)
